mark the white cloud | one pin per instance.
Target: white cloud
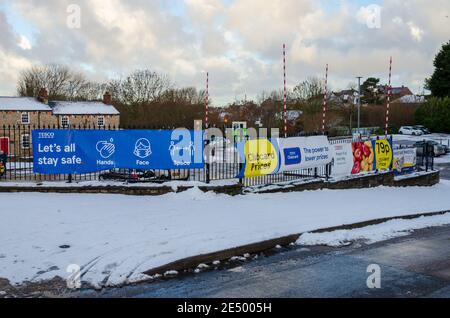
(416, 32)
(239, 43)
(398, 20)
(204, 11)
(10, 67)
(24, 43)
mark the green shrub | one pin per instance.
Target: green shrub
(435, 114)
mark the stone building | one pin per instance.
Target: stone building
(86, 114)
(19, 115)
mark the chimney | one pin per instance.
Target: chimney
(107, 98)
(43, 95)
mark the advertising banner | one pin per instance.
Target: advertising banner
(261, 157)
(304, 152)
(84, 151)
(363, 157)
(264, 156)
(383, 154)
(342, 159)
(404, 160)
(367, 156)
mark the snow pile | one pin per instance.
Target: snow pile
(373, 233)
(115, 238)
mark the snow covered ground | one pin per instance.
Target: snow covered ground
(114, 238)
(373, 233)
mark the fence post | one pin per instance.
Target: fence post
(207, 172)
(391, 140)
(241, 180)
(376, 170)
(207, 167)
(431, 159)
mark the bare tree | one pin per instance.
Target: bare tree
(75, 85)
(90, 91)
(30, 81)
(352, 85)
(308, 89)
(60, 81)
(140, 87)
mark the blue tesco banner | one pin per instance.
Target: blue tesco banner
(83, 151)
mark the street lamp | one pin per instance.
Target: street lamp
(359, 102)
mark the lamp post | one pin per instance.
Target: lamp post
(359, 103)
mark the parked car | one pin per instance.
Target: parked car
(134, 176)
(446, 148)
(438, 149)
(425, 130)
(127, 175)
(409, 130)
(219, 142)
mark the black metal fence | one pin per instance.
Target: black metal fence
(224, 163)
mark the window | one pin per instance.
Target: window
(25, 118)
(100, 121)
(25, 141)
(65, 122)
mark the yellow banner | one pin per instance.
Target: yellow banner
(261, 158)
(383, 154)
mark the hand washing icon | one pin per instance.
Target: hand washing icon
(106, 148)
(143, 148)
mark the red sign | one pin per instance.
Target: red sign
(4, 145)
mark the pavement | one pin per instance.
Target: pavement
(417, 265)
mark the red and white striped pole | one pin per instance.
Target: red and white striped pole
(325, 100)
(389, 90)
(207, 171)
(207, 101)
(285, 91)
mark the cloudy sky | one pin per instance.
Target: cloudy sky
(238, 41)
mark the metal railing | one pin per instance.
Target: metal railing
(224, 163)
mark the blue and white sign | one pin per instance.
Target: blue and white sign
(304, 152)
(83, 151)
(292, 156)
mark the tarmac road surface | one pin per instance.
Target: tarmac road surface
(417, 265)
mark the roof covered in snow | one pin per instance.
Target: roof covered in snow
(82, 108)
(411, 99)
(22, 104)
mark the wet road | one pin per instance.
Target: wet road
(444, 169)
(414, 266)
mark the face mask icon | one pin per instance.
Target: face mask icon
(143, 148)
(106, 148)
